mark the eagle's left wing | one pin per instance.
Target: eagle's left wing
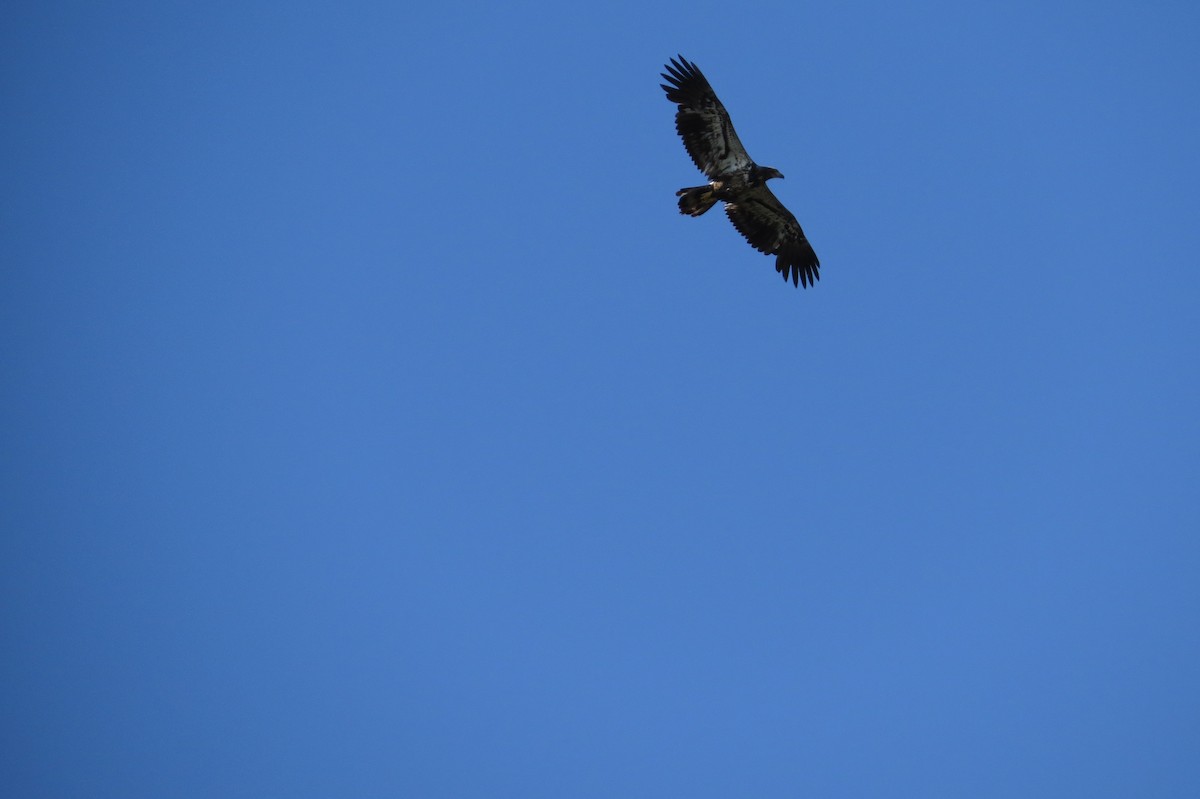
(702, 121)
(769, 227)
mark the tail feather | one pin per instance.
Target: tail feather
(696, 201)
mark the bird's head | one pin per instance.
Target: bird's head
(768, 172)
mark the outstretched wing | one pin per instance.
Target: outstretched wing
(769, 227)
(702, 121)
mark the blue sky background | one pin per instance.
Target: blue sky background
(374, 425)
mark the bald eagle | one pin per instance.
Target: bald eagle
(734, 178)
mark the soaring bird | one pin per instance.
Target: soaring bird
(733, 177)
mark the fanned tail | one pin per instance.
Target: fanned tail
(696, 201)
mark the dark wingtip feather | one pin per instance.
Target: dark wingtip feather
(679, 71)
(802, 273)
(683, 64)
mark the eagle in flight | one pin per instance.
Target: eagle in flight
(734, 179)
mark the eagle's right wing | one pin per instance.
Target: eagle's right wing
(771, 228)
(702, 122)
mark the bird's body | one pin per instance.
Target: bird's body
(734, 178)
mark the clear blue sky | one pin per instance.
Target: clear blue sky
(374, 425)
